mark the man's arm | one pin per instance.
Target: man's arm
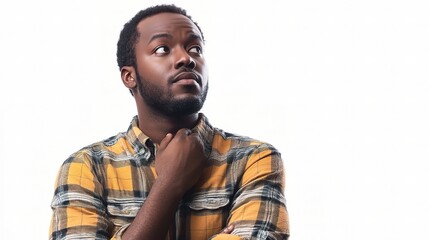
(258, 210)
(79, 210)
(178, 163)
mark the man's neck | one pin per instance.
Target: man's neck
(157, 127)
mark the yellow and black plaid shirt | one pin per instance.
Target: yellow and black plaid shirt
(100, 189)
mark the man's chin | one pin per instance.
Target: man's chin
(185, 106)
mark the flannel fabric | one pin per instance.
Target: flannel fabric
(100, 188)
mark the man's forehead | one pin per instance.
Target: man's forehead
(166, 23)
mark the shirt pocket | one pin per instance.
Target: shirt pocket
(207, 214)
(124, 207)
(213, 200)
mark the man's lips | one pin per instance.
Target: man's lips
(187, 76)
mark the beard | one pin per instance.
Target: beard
(165, 103)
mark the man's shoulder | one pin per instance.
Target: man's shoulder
(111, 146)
(243, 151)
(238, 141)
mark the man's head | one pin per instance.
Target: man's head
(125, 55)
(160, 55)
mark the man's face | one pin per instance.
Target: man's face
(171, 70)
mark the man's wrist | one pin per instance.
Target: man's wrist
(169, 188)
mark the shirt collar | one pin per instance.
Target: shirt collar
(139, 140)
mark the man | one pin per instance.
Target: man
(171, 175)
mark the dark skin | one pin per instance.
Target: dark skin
(168, 44)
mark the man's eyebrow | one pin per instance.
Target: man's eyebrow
(194, 36)
(160, 35)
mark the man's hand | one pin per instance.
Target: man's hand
(180, 160)
(228, 229)
(179, 164)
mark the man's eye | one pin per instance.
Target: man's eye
(196, 49)
(162, 50)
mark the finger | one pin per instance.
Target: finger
(228, 229)
(184, 131)
(165, 141)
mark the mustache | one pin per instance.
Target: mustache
(186, 73)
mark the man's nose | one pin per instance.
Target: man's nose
(184, 60)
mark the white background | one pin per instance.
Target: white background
(339, 87)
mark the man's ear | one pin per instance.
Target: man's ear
(128, 76)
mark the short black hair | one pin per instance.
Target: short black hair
(125, 54)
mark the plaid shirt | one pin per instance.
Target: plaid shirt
(100, 189)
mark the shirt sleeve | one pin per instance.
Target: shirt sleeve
(259, 209)
(78, 210)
